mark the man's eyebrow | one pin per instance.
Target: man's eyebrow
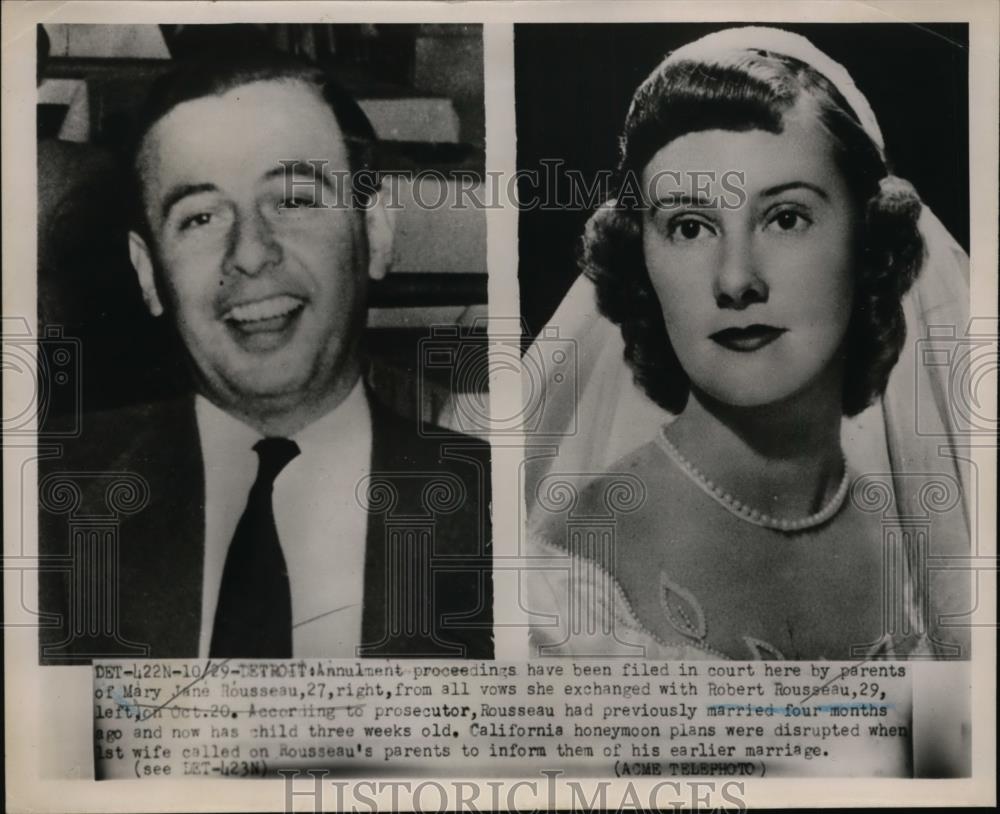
(301, 168)
(181, 191)
(777, 190)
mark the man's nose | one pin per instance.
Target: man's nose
(252, 246)
(739, 281)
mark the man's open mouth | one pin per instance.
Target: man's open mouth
(264, 325)
(265, 315)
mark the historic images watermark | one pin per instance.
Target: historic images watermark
(314, 184)
(504, 795)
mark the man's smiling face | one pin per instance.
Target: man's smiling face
(267, 290)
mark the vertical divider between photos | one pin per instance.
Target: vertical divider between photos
(505, 431)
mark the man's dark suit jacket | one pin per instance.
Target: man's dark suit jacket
(121, 538)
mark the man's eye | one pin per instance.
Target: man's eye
(689, 229)
(199, 219)
(296, 203)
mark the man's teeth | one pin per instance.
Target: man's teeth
(263, 309)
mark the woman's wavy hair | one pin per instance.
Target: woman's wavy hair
(740, 91)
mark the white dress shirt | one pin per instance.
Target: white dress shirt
(322, 524)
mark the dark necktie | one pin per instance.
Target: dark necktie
(254, 616)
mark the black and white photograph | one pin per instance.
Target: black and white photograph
(238, 235)
(492, 406)
(762, 464)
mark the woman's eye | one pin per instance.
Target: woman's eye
(688, 230)
(789, 220)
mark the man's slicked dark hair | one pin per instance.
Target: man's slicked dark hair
(207, 76)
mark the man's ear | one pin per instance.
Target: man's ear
(142, 262)
(380, 226)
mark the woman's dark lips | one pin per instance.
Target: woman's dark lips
(745, 340)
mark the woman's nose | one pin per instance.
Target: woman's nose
(739, 282)
(252, 246)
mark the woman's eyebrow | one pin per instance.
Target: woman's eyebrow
(777, 190)
(675, 200)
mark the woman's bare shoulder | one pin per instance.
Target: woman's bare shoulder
(633, 485)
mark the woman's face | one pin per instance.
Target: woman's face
(750, 247)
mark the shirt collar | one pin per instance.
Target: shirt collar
(346, 420)
(222, 431)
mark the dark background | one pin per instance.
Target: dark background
(573, 84)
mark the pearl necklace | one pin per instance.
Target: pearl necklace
(749, 514)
